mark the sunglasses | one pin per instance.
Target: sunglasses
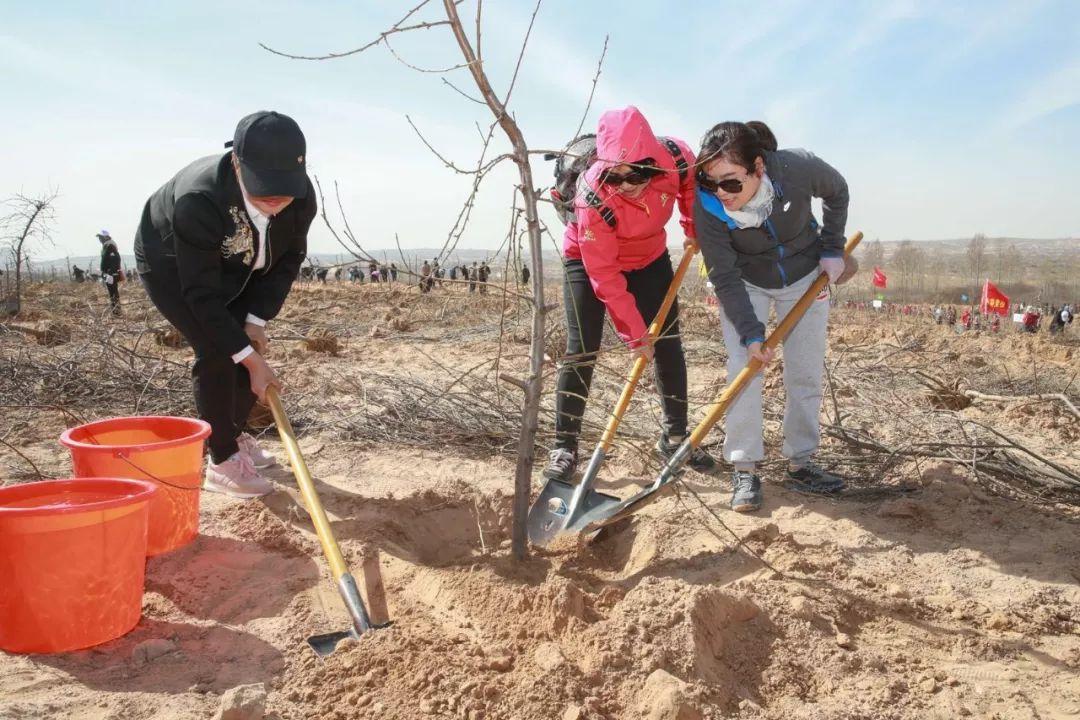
(640, 175)
(730, 185)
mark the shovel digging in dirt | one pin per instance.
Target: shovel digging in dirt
(592, 518)
(324, 644)
(561, 504)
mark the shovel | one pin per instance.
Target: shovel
(560, 504)
(325, 644)
(599, 516)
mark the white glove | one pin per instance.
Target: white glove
(833, 267)
(107, 279)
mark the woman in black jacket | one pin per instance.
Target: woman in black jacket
(218, 248)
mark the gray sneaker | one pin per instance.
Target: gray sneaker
(745, 491)
(561, 465)
(812, 479)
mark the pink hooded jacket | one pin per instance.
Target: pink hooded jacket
(639, 238)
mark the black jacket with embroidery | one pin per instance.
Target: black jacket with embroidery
(196, 227)
(110, 258)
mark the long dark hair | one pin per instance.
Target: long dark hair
(738, 143)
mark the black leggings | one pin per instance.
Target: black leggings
(223, 394)
(585, 330)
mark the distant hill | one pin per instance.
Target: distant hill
(1033, 248)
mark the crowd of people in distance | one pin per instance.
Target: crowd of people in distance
(1029, 318)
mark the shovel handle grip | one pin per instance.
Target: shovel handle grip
(307, 486)
(655, 329)
(731, 392)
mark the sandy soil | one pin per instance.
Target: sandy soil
(929, 598)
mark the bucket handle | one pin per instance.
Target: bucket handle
(121, 455)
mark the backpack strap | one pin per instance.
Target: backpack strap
(593, 200)
(680, 162)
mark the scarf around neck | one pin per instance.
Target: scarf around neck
(758, 208)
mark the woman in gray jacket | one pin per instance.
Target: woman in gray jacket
(762, 247)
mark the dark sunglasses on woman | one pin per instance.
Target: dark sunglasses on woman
(709, 184)
(644, 171)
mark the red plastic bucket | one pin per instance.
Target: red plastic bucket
(165, 450)
(72, 559)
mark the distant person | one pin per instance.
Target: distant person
(110, 269)
(321, 273)
(524, 274)
(219, 247)
(78, 274)
(425, 277)
(482, 275)
(355, 275)
(764, 249)
(474, 277)
(1057, 324)
(453, 273)
(337, 274)
(1031, 320)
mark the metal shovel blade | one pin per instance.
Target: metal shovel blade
(602, 516)
(325, 644)
(550, 515)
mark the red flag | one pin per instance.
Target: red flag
(993, 300)
(879, 279)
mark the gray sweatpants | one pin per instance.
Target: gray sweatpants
(804, 361)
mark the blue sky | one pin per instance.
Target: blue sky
(948, 119)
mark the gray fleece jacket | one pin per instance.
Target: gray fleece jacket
(786, 248)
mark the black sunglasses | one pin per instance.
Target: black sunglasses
(644, 171)
(730, 185)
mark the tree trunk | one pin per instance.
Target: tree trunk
(530, 406)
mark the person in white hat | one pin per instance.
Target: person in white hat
(110, 269)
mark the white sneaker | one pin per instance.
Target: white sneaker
(259, 457)
(237, 477)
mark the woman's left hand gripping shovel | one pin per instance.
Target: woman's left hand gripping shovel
(560, 504)
(361, 622)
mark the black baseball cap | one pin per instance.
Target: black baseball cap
(272, 154)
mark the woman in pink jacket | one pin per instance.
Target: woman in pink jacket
(616, 261)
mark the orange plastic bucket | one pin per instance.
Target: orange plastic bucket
(165, 450)
(72, 559)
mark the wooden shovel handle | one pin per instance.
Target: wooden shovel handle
(307, 486)
(638, 368)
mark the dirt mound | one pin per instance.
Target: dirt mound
(48, 332)
(323, 341)
(258, 524)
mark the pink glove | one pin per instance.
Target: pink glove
(833, 267)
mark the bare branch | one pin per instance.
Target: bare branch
(461, 92)
(592, 92)
(406, 63)
(521, 55)
(395, 28)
